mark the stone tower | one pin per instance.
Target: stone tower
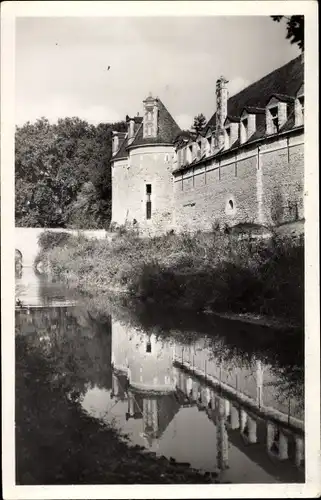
(142, 191)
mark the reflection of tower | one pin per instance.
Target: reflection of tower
(120, 346)
(119, 386)
(148, 364)
(221, 436)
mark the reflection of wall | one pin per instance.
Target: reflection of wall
(238, 424)
(251, 379)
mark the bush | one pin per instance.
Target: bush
(50, 239)
(196, 272)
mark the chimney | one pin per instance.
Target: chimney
(130, 129)
(221, 102)
(150, 119)
(115, 143)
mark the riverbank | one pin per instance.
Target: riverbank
(252, 280)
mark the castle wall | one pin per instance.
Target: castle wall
(146, 165)
(120, 178)
(259, 184)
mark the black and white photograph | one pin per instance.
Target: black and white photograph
(160, 225)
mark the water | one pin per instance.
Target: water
(222, 396)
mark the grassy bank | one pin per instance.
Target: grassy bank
(202, 272)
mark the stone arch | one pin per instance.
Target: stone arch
(18, 257)
(230, 205)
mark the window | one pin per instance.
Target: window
(245, 130)
(148, 201)
(301, 103)
(149, 130)
(148, 209)
(149, 116)
(228, 137)
(231, 204)
(184, 156)
(274, 120)
(209, 145)
(148, 346)
(199, 149)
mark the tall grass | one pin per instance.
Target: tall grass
(213, 271)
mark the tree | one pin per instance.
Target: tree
(295, 29)
(62, 173)
(199, 123)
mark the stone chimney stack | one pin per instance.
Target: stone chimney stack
(130, 129)
(115, 143)
(150, 119)
(221, 110)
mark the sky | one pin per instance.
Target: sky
(62, 63)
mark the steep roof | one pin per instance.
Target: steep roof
(167, 129)
(284, 81)
(122, 152)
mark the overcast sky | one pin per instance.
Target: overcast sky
(61, 63)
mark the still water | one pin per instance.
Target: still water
(223, 396)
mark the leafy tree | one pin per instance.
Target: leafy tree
(295, 29)
(61, 168)
(199, 123)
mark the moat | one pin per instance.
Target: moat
(203, 391)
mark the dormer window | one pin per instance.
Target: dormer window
(277, 112)
(299, 110)
(199, 151)
(227, 137)
(209, 145)
(244, 130)
(274, 113)
(190, 153)
(184, 156)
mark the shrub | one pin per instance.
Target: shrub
(50, 239)
(193, 271)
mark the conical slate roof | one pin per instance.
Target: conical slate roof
(168, 130)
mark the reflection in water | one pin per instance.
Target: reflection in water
(199, 401)
(34, 289)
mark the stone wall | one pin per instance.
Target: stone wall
(258, 184)
(146, 165)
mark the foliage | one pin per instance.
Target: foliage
(295, 29)
(50, 239)
(199, 123)
(217, 271)
(63, 174)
